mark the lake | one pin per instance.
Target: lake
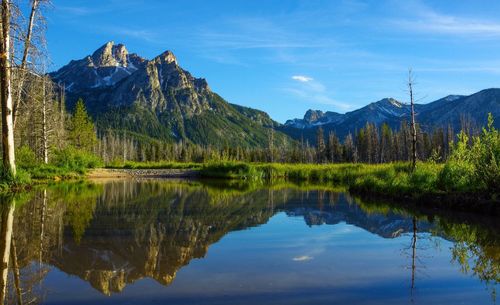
(208, 242)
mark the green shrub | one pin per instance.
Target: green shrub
(116, 163)
(457, 176)
(76, 160)
(50, 171)
(476, 167)
(424, 178)
(25, 158)
(486, 157)
(9, 181)
(23, 177)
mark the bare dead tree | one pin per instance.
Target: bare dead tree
(24, 38)
(40, 119)
(24, 60)
(411, 83)
(45, 145)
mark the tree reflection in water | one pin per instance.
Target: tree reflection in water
(115, 233)
(6, 229)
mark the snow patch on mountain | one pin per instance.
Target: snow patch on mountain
(451, 98)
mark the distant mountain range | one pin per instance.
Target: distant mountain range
(157, 99)
(448, 111)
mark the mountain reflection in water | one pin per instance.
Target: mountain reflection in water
(112, 235)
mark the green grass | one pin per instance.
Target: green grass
(391, 179)
(344, 173)
(395, 180)
(10, 182)
(399, 181)
(67, 163)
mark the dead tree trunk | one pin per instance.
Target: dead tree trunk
(24, 60)
(44, 124)
(9, 161)
(5, 243)
(413, 127)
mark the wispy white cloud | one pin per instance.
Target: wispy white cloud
(274, 39)
(302, 258)
(255, 33)
(302, 78)
(427, 20)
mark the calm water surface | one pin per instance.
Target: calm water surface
(167, 242)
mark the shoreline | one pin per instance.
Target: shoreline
(460, 202)
(107, 173)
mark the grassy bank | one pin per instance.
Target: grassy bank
(389, 178)
(66, 164)
(429, 181)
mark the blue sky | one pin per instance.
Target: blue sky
(287, 56)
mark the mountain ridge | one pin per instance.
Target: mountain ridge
(159, 99)
(156, 98)
(452, 110)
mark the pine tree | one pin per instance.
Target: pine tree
(386, 144)
(82, 134)
(334, 148)
(320, 146)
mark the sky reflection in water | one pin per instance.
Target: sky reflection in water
(153, 242)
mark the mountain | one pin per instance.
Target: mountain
(158, 99)
(451, 110)
(454, 108)
(315, 118)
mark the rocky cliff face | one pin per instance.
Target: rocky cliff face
(105, 67)
(158, 99)
(163, 86)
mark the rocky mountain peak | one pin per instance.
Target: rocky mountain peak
(313, 115)
(120, 53)
(168, 57)
(110, 55)
(315, 118)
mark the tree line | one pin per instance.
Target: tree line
(370, 144)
